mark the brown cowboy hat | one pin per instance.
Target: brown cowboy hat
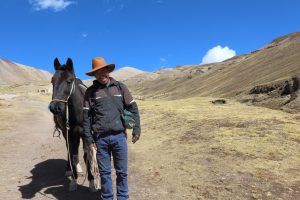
(99, 63)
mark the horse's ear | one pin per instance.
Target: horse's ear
(56, 64)
(69, 64)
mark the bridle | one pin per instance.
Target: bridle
(67, 104)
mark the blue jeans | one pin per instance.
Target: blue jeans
(114, 145)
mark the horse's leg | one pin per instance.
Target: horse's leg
(68, 168)
(92, 186)
(75, 157)
(73, 151)
(77, 132)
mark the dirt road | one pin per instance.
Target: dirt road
(33, 162)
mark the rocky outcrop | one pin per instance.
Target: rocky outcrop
(283, 94)
(286, 87)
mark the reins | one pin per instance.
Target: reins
(67, 122)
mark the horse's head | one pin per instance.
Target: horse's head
(63, 82)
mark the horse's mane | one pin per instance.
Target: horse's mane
(81, 85)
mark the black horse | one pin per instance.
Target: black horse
(66, 105)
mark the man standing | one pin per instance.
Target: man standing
(104, 128)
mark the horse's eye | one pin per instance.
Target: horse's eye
(69, 81)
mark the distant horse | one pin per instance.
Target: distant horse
(67, 105)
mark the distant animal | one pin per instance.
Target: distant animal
(66, 106)
(42, 91)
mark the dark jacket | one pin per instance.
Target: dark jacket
(101, 114)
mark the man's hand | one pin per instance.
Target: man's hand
(92, 146)
(135, 138)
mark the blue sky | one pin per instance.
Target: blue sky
(146, 34)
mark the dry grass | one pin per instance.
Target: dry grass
(231, 78)
(11, 111)
(11, 106)
(192, 149)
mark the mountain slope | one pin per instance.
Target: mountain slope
(121, 74)
(125, 73)
(275, 63)
(11, 72)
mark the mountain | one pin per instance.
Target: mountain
(121, 74)
(274, 68)
(125, 73)
(14, 73)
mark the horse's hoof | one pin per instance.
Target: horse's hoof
(92, 187)
(78, 168)
(68, 173)
(73, 185)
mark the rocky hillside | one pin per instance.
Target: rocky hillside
(14, 73)
(274, 64)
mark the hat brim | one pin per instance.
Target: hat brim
(111, 68)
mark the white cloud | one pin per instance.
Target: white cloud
(111, 6)
(84, 34)
(218, 54)
(163, 60)
(56, 5)
(109, 10)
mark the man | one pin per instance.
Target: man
(104, 129)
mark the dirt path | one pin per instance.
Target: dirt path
(33, 162)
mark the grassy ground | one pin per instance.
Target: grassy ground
(12, 111)
(10, 95)
(193, 149)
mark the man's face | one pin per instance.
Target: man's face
(102, 76)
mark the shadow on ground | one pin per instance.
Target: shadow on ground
(48, 180)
